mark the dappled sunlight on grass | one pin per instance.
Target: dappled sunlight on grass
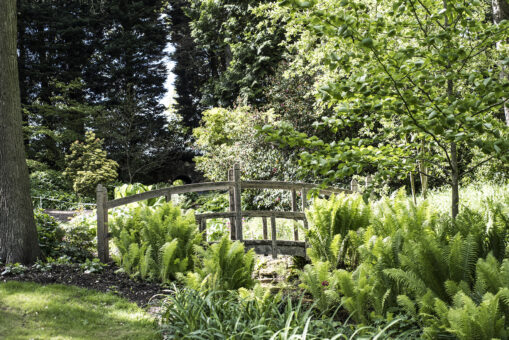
(32, 311)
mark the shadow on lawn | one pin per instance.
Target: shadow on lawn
(32, 311)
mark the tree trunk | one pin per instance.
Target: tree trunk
(18, 234)
(423, 171)
(412, 187)
(501, 12)
(454, 181)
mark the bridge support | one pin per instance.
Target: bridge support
(103, 250)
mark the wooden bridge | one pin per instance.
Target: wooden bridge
(234, 187)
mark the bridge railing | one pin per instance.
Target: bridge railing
(234, 187)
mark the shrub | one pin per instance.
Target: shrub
(223, 266)
(75, 241)
(87, 165)
(156, 243)
(50, 234)
(55, 190)
(79, 241)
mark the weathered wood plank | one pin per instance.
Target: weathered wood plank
(237, 201)
(231, 206)
(264, 224)
(291, 186)
(292, 215)
(196, 187)
(274, 236)
(102, 223)
(284, 247)
(224, 214)
(294, 208)
(265, 233)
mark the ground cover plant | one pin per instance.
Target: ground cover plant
(33, 311)
(449, 276)
(156, 244)
(256, 314)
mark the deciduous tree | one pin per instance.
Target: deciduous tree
(18, 234)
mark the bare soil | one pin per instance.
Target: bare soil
(108, 280)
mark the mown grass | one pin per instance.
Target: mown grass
(33, 311)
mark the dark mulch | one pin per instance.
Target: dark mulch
(106, 281)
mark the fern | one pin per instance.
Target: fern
(330, 223)
(156, 242)
(321, 284)
(224, 266)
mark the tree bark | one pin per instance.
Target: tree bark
(455, 197)
(18, 234)
(423, 171)
(501, 12)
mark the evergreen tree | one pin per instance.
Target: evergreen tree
(191, 66)
(100, 66)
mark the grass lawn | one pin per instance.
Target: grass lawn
(33, 311)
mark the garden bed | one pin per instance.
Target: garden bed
(108, 280)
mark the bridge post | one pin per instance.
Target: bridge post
(294, 208)
(274, 236)
(265, 234)
(304, 205)
(231, 200)
(237, 202)
(102, 223)
(354, 186)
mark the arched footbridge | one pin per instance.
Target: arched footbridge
(234, 187)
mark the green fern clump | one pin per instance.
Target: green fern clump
(331, 221)
(450, 276)
(321, 284)
(156, 243)
(223, 266)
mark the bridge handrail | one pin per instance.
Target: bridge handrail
(182, 189)
(234, 187)
(210, 186)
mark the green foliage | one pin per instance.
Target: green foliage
(249, 314)
(79, 241)
(409, 74)
(450, 275)
(330, 223)
(92, 266)
(74, 241)
(50, 189)
(322, 284)
(50, 234)
(223, 266)
(125, 190)
(87, 165)
(14, 269)
(156, 244)
(228, 136)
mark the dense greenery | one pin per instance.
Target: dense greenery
(224, 266)
(451, 276)
(411, 94)
(97, 66)
(258, 315)
(74, 241)
(156, 244)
